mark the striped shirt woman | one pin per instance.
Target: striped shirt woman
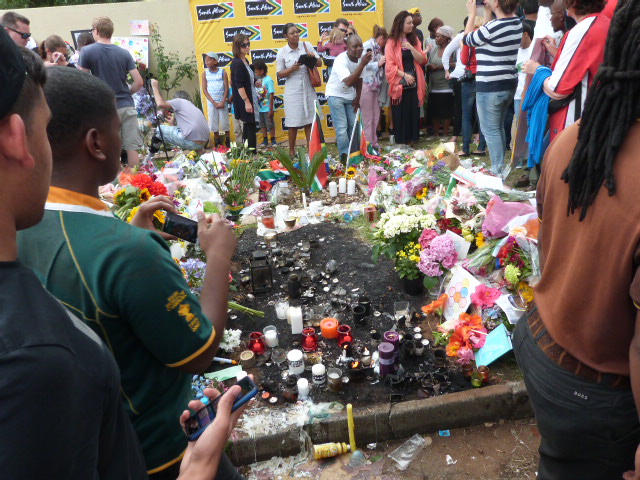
(497, 45)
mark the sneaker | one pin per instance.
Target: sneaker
(264, 144)
(274, 143)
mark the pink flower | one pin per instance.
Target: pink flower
(465, 355)
(485, 297)
(428, 234)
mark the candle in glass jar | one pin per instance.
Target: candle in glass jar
(270, 336)
(294, 317)
(281, 309)
(351, 187)
(333, 189)
(342, 185)
(329, 328)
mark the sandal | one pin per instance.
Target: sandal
(479, 154)
(462, 154)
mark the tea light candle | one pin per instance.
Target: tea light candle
(296, 362)
(342, 185)
(270, 336)
(303, 388)
(319, 374)
(247, 359)
(281, 309)
(333, 189)
(329, 328)
(294, 317)
(351, 187)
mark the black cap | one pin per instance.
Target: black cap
(12, 73)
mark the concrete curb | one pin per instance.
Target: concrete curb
(384, 422)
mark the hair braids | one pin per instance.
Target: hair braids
(612, 106)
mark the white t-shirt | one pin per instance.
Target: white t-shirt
(342, 68)
(524, 54)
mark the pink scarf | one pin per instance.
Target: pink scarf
(393, 53)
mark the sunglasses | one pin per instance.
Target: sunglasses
(245, 45)
(343, 30)
(22, 34)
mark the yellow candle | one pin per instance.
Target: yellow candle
(352, 430)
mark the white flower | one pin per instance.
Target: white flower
(230, 340)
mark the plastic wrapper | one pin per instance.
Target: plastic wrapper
(376, 175)
(405, 453)
(483, 195)
(530, 249)
(500, 213)
(482, 261)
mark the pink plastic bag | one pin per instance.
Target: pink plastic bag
(500, 213)
(377, 174)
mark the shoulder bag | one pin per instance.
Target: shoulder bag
(314, 74)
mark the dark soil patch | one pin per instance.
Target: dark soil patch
(357, 275)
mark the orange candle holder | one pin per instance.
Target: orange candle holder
(329, 328)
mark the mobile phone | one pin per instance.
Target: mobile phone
(181, 227)
(202, 418)
(367, 50)
(479, 3)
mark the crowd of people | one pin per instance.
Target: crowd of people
(93, 310)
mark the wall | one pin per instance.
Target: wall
(452, 12)
(172, 17)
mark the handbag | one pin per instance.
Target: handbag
(314, 74)
(405, 85)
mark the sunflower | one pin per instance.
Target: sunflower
(480, 240)
(422, 194)
(132, 213)
(144, 195)
(351, 172)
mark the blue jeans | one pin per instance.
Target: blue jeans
(344, 118)
(469, 115)
(589, 431)
(174, 136)
(492, 111)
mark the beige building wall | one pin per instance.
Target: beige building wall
(174, 20)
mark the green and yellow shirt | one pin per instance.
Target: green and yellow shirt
(123, 282)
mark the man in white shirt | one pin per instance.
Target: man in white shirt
(343, 90)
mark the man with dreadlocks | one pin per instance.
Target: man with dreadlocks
(579, 348)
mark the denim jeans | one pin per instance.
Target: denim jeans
(492, 110)
(588, 431)
(174, 136)
(343, 117)
(469, 115)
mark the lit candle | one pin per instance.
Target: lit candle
(294, 317)
(329, 328)
(342, 185)
(351, 187)
(319, 374)
(333, 189)
(296, 362)
(303, 388)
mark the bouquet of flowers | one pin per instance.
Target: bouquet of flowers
(235, 181)
(400, 227)
(137, 190)
(462, 336)
(407, 261)
(438, 254)
(517, 265)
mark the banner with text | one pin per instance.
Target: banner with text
(263, 21)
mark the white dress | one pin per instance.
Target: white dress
(299, 95)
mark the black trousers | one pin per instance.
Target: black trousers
(589, 431)
(226, 470)
(249, 135)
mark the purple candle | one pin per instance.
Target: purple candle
(394, 339)
(386, 359)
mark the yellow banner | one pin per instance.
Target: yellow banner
(215, 25)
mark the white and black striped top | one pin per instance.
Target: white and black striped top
(497, 45)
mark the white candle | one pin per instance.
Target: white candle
(351, 187)
(271, 338)
(315, 207)
(342, 185)
(294, 317)
(282, 212)
(333, 189)
(319, 374)
(296, 362)
(303, 388)
(281, 309)
(304, 200)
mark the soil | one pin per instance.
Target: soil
(356, 274)
(494, 451)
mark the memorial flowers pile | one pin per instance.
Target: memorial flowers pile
(399, 228)
(463, 336)
(438, 255)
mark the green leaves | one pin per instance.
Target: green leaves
(302, 177)
(170, 70)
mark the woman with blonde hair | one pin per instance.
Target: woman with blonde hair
(54, 51)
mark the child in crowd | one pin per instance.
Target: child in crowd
(266, 92)
(215, 86)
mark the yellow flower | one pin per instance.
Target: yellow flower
(160, 216)
(118, 197)
(526, 291)
(351, 172)
(144, 195)
(480, 240)
(422, 194)
(132, 213)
